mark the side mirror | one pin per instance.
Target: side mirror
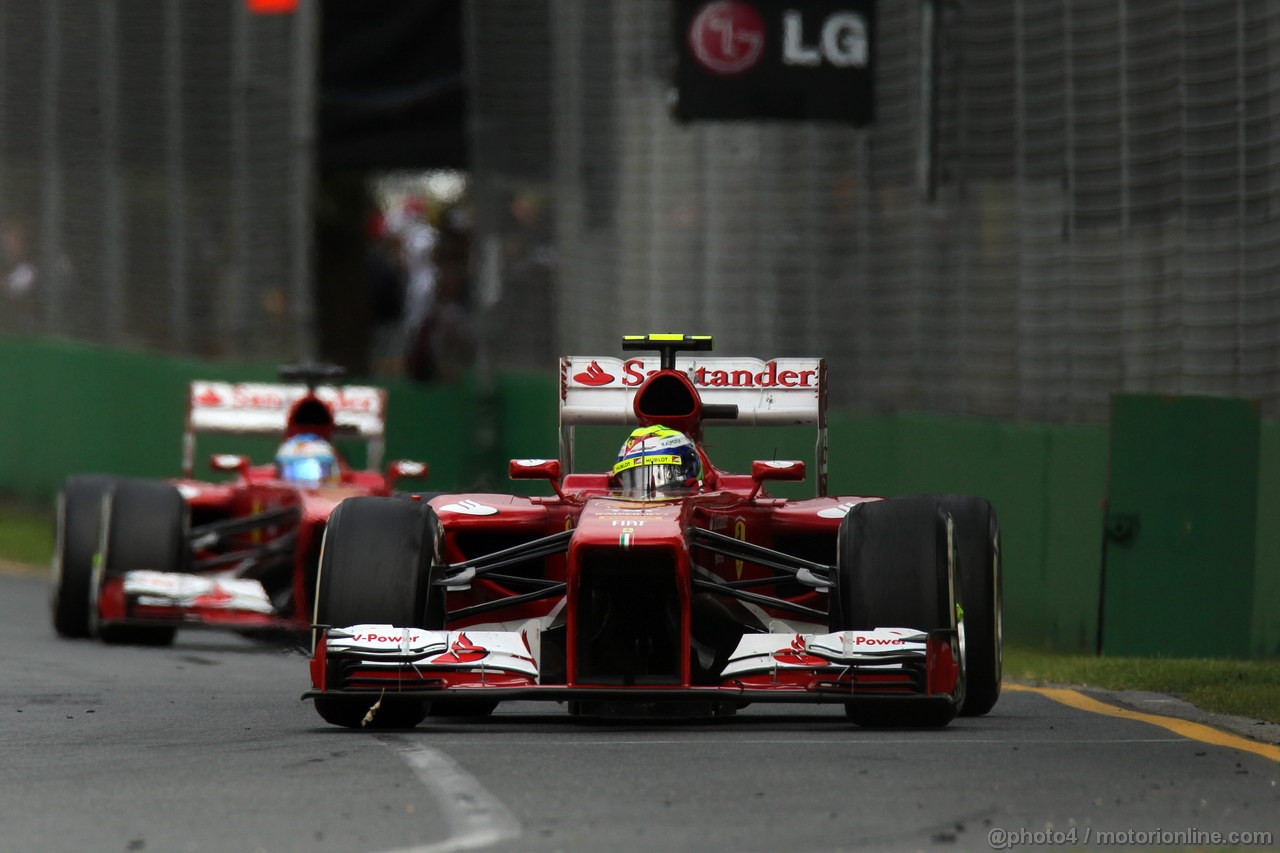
(406, 469)
(536, 469)
(786, 470)
(229, 463)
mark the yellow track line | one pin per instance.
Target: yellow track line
(1185, 728)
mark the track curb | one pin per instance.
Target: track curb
(1168, 711)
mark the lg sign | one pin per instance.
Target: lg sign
(728, 37)
(843, 42)
(776, 59)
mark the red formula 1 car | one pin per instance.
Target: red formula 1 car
(136, 559)
(691, 600)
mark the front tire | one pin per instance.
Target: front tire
(894, 570)
(376, 568)
(76, 538)
(146, 528)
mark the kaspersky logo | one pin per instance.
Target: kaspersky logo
(594, 375)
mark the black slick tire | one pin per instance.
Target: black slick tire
(893, 571)
(76, 537)
(145, 527)
(376, 568)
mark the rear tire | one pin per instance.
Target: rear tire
(893, 571)
(146, 528)
(978, 541)
(76, 538)
(376, 568)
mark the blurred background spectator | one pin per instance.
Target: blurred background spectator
(20, 278)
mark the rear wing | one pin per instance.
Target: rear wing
(262, 408)
(778, 392)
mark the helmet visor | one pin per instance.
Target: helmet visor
(305, 470)
(649, 475)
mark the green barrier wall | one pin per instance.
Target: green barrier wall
(1179, 561)
(73, 409)
(1266, 601)
(70, 409)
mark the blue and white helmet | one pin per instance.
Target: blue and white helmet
(657, 459)
(307, 460)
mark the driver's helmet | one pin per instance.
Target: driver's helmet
(307, 460)
(657, 459)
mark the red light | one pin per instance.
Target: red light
(272, 7)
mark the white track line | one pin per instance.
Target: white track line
(476, 817)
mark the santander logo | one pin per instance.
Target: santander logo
(594, 375)
(215, 597)
(209, 397)
(708, 375)
(463, 651)
(798, 654)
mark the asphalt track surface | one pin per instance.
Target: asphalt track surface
(205, 747)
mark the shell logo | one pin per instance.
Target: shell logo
(739, 533)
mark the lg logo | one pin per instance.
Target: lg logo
(728, 38)
(843, 41)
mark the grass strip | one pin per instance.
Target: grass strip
(26, 533)
(1246, 688)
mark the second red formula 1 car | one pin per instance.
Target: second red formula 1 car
(136, 559)
(664, 585)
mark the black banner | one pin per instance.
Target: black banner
(808, 60)
(392, 94)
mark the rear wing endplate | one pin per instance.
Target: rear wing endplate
(262, 408)
(780, 392)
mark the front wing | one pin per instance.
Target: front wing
(177, 599)
(843, 666)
